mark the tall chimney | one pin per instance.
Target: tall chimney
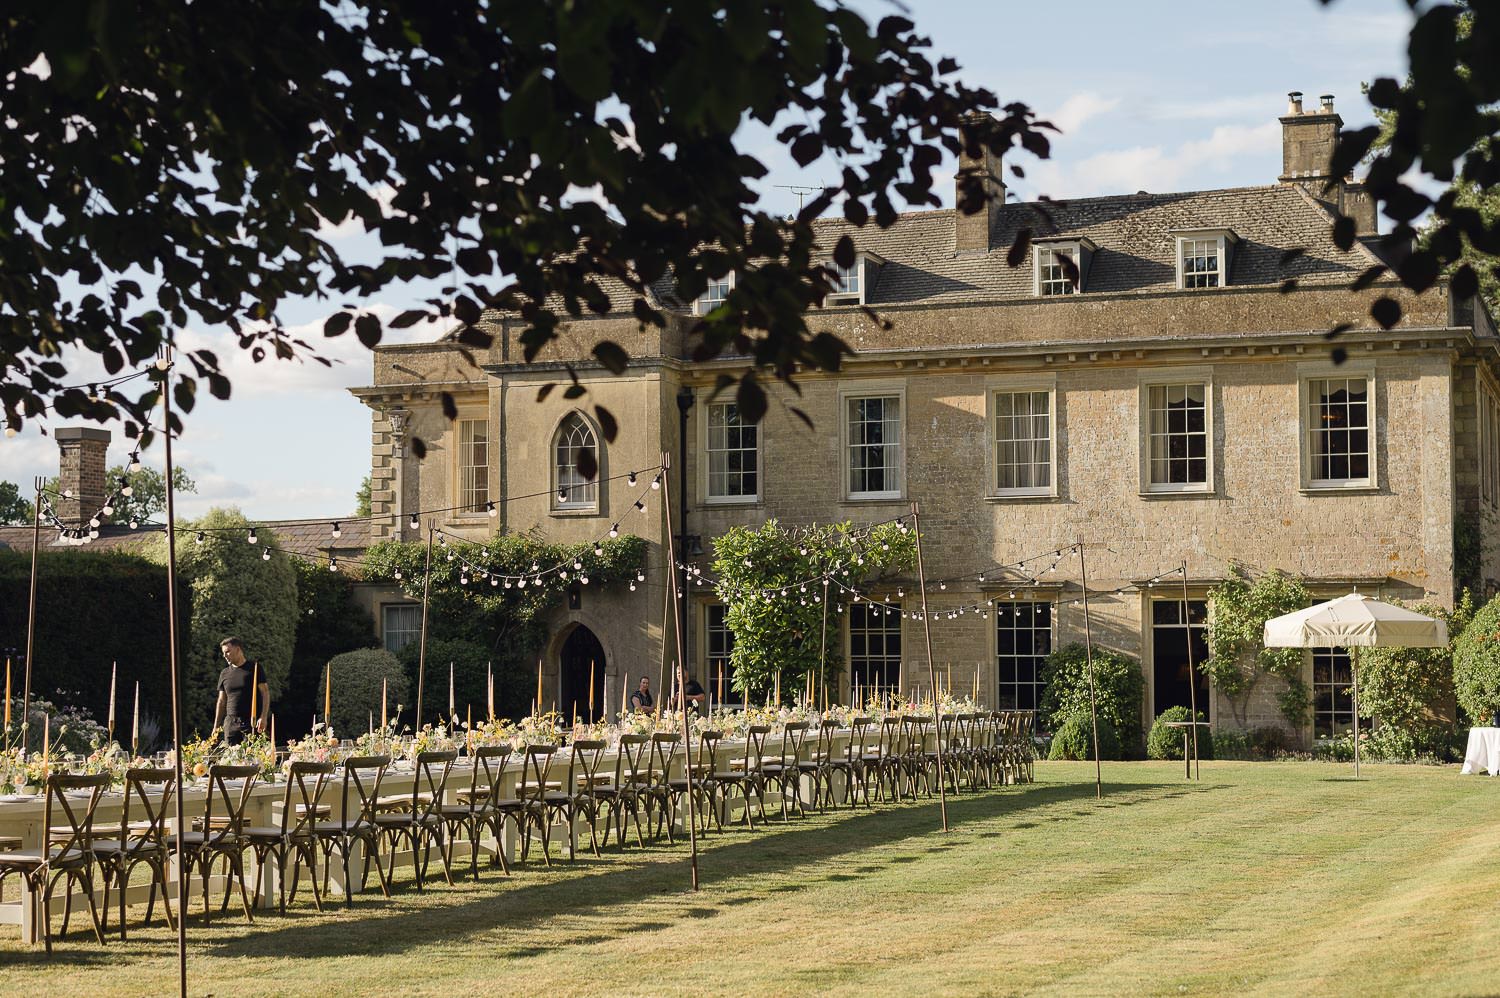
(975, 232)
(1307, 141)
(81, 473)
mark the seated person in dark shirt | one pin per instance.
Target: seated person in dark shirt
(694, 694)
(641, 699)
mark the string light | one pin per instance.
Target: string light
(252, 538)
(265, 554)
(336, 531)
(413, 524)
(199, 538)
(614, 530)
(491, 509)
(135, 460)
(630, 478)
(656, 482)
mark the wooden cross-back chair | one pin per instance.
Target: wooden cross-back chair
(360, 795)
(295, 838)
(419, 825)
(141, 838)
(479, 807)
(69, 859)
(220, 837)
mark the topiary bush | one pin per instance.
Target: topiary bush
(1120, 690)
(235, 591)
(1166, 743)
(1074, 738)
(1476, 664)
(356, 688)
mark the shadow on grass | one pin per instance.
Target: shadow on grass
(733, 871)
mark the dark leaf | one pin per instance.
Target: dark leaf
(1343, 232)
(367, 328)
(1288, 286)
(1465, 283)
(806, 419)
(1419, 271)
(750, 400)
(408, 318)
(545, 390)
(450, 407)
(466, 309)
(587, 463)
(1339, 355)
(843, 252)
(1292, 254)
(1338, 330)
(475, 337)
(1017, 252)
(419, 447)
(1368, 277)
(612, 356)
(607, 424)
(575, 391)
(337, 324)
(1386, 311)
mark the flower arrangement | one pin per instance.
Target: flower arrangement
(384, 740)
(541, 729)
(195, 755)
(320, 745)
(255, 750)
(498, 731)
(433, 738)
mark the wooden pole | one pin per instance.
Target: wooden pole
(681, 680)
(1187, 620)
(36, 542)
(1354, 692)
(1088, 653)
(422, 639)
(823, 651)
(165, 363)
(937, 719)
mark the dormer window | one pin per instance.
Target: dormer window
(1062, 266)
(1203, 257)
(851, 284)
(715, 294)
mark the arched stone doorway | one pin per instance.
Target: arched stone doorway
(580, 654)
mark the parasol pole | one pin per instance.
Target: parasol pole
(422, 645)
(1088, 653)
(1187, 621)
(1354, 684)
(164, 365)
(937, 720)
(681, 677)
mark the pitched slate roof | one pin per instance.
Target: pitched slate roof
(1134, 235)
(309, 538)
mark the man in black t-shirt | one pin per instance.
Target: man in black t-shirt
(232, 713)
(694, 693)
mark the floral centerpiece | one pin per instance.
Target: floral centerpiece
(496, 731)
(195, 755)
(541, 729)
(320, 745)
(255, 750)
(433, 738)
(382, 741)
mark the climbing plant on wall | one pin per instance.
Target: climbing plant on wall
(1237, 660)
(771, 582)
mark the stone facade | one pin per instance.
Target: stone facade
(964, 326)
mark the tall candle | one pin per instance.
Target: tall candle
(591, 689)
(371, 729)
(113, 672)
(976, 682)
(778, 688)
(384, 701)
(469, 737)
(721, 683)
(451, 711)
(7, 698)
(273, 731)
(46, 744)
(539, 685)
(254, 692)
(489, 681)
(135, 723)
(327, 692)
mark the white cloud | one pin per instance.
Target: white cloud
(1193, 164)
(1080, 107)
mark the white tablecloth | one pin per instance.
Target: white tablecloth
(1483, 751)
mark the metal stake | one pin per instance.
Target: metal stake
(422, 641)
(1187, 621)
(937, 719)
(687, 735)
(166, 396)
(1088, 653)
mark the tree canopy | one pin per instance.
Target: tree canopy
(1441, 124)
(176, 164)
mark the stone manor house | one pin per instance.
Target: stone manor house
(1180, 403)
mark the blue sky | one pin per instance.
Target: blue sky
(1150, 94)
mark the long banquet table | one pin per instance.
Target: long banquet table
(23, 817)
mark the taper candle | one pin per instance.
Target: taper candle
(113, 672)
(591, 690)
(327, 692)
(538, 686)
(254, 692)
(135, 722)
(384, 703)
(452, 713)
(7, 697)
(46, 744)
(489, 683)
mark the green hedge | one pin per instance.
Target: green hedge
(356, 689)
(1074, 738)
(1166, 743)
(1119, 687)
(329, 622)
(1476, 664)
(93, 608)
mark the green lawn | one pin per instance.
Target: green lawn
(1269, 877)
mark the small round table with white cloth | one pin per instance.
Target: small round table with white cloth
(1483, 751)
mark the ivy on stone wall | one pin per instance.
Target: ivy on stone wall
(1236, 657)
(776, 619)
(1468, 552)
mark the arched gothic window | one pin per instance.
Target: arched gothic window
(574, 439)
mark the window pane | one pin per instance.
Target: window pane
(874, 440)
(874, 648)
(1338, 429)
(574, 438)
(1023, 640)
(733, 455)
(1177, 430)
(1023, 440)
(473, 464)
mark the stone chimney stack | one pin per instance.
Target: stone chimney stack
(975, 233)
(81, 473)
(1308, 139)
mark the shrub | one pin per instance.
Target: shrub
(468, 658)
(1118, 684)
(329, 622)
(73, 730)
(1430, 743)
(1166, 743)
(235, 591)
(1476, 664)
(93, 608)
(356, 688)
(1074, 738)
(1409, 689)
(1232, 745)
(1272, 742)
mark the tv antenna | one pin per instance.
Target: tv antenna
(801, 192)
